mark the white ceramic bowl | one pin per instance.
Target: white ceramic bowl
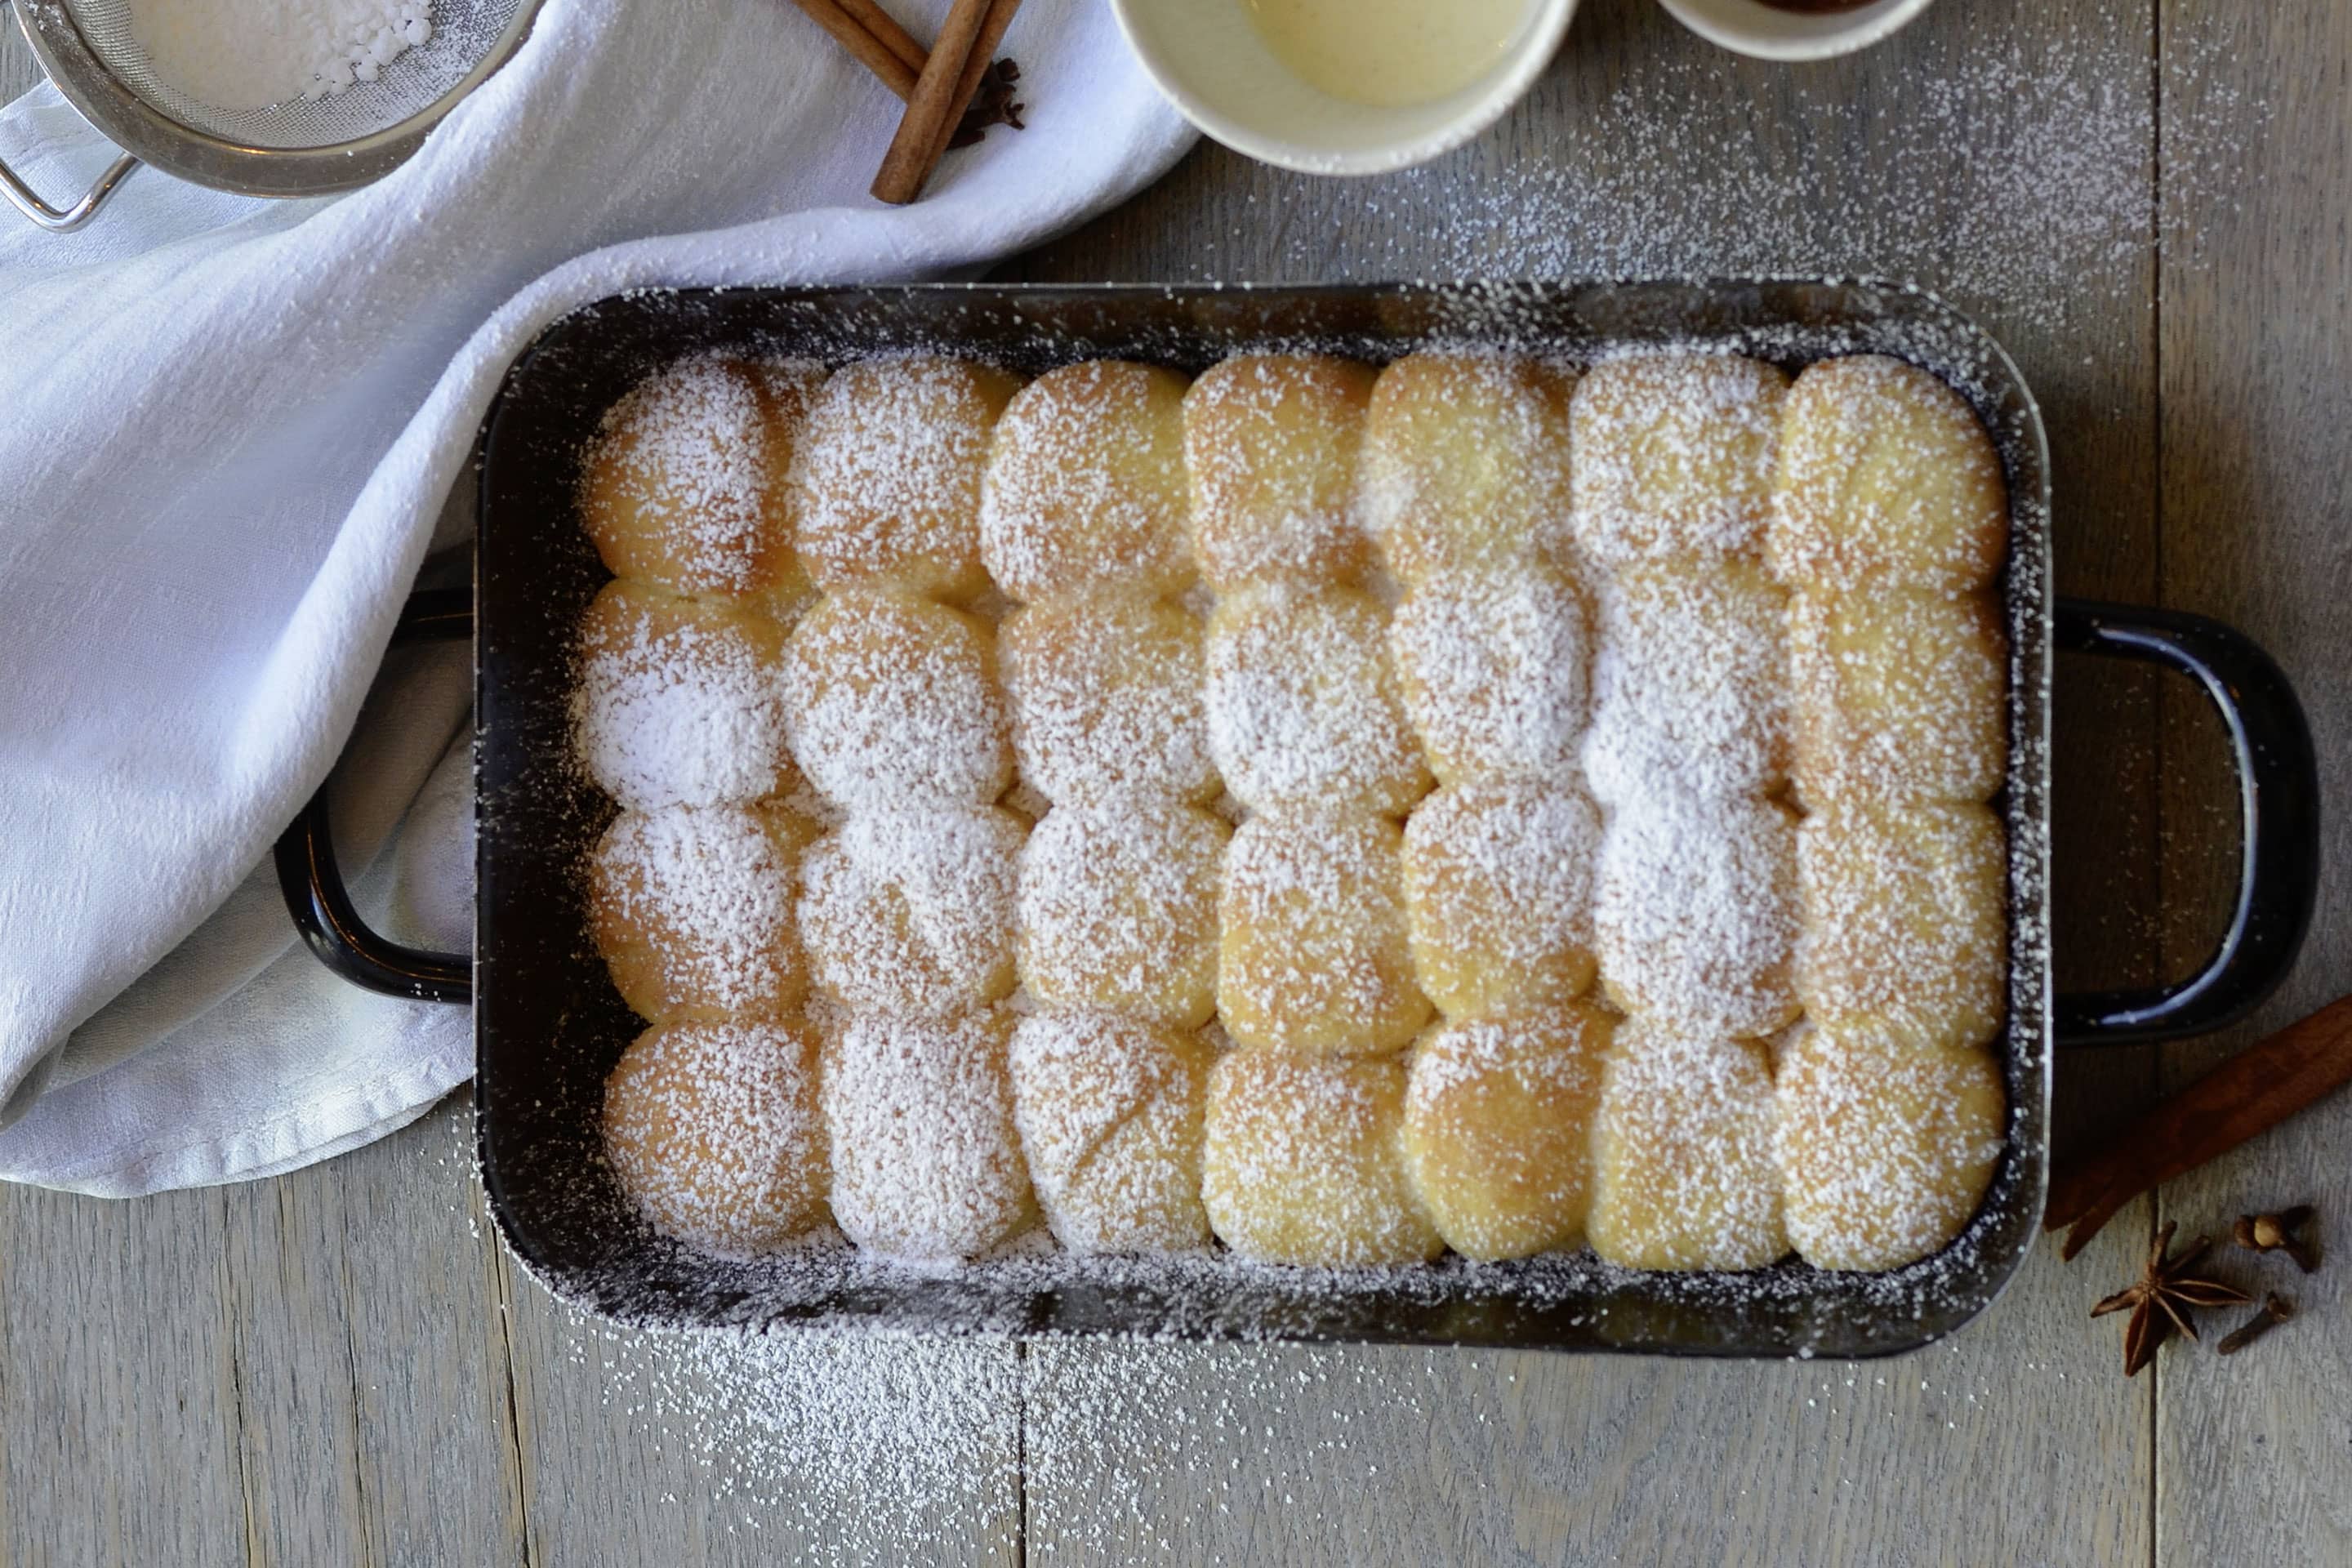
(1206, 55)
(1768, 33)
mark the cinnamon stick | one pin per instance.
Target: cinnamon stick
(872, 52)
(889, 33)
(2251, 1092)
(983, 50)
(930, 117)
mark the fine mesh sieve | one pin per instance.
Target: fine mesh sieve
(298, 148)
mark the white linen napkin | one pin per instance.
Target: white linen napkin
(230, 427)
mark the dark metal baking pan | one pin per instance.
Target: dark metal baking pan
(548, 1025)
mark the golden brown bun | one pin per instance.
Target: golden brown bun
(1465, 462)
(1886, 481)
(886, 490)
(1270, 441)
(1492, 666)
(1111, 1113)
(893, 702)
(1107, 694)
(1696, 914)
(1673, 458)
(1303, 707)
(675, 489)
(1886, 1145)
(1682, 1151)
(1305, 1162)
(925, 1161)
(1905, 919)
(1085, 485)
(713, 1131)
(1498, 1128)
(691, 908)
(1498, 891)
(1118, 910)
(1691, 687)
(912, 911)
(1316, 955)
(678, 700)
(1900, 695)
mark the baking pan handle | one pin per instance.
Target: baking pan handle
(2278, 787)
(313, 884)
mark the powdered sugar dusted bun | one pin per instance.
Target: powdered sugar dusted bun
(1697, 913)
(1107, 698)
(1315, 954)
(1674, 459)
(1498, 893)
(677, 700)
(674, 489)
(691, 908)
(1305, 1162)
(1691, 688)
(1900, 694)
(1492, 666)
(1118, 910)
(886, 490)
(927, 1165)
(912, 911)
(713, 1132)
(1270, 441)
(1085, 485)
(1465, 462)
(1498, 1128)
(1886, 480)
(893, 702)
(1905, 919)
(1683, 1175)
(1886, 1145)
(1110, 1113)
(1303, 706)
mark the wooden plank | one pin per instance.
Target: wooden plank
(118, 1383)
(365, 1295)
(1921, 158)
(724, 1449)
(18, 69)
(2257, 353)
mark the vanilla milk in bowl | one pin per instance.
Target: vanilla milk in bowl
(1344, 87)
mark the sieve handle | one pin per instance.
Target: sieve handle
(64, 220)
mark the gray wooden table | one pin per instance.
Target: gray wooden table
(2149, 202)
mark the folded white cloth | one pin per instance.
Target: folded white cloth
(230, 427)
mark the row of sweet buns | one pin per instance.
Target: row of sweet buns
(1343, 1126)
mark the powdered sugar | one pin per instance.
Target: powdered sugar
(1107, 696)
(1691, 688)
(713, 1131)
(926, 1166)
(704, 895)
(913, 911)
(1492, 666)
(892, 701)
(251, 54)
(1118, 910)
(1111, 1113)
(678, 703)
(1697, 913)
(1085, 488)
(674, 489)
(1303, 704)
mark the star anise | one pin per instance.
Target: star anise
(2160, 1303)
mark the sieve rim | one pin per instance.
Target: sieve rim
(148, 133)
